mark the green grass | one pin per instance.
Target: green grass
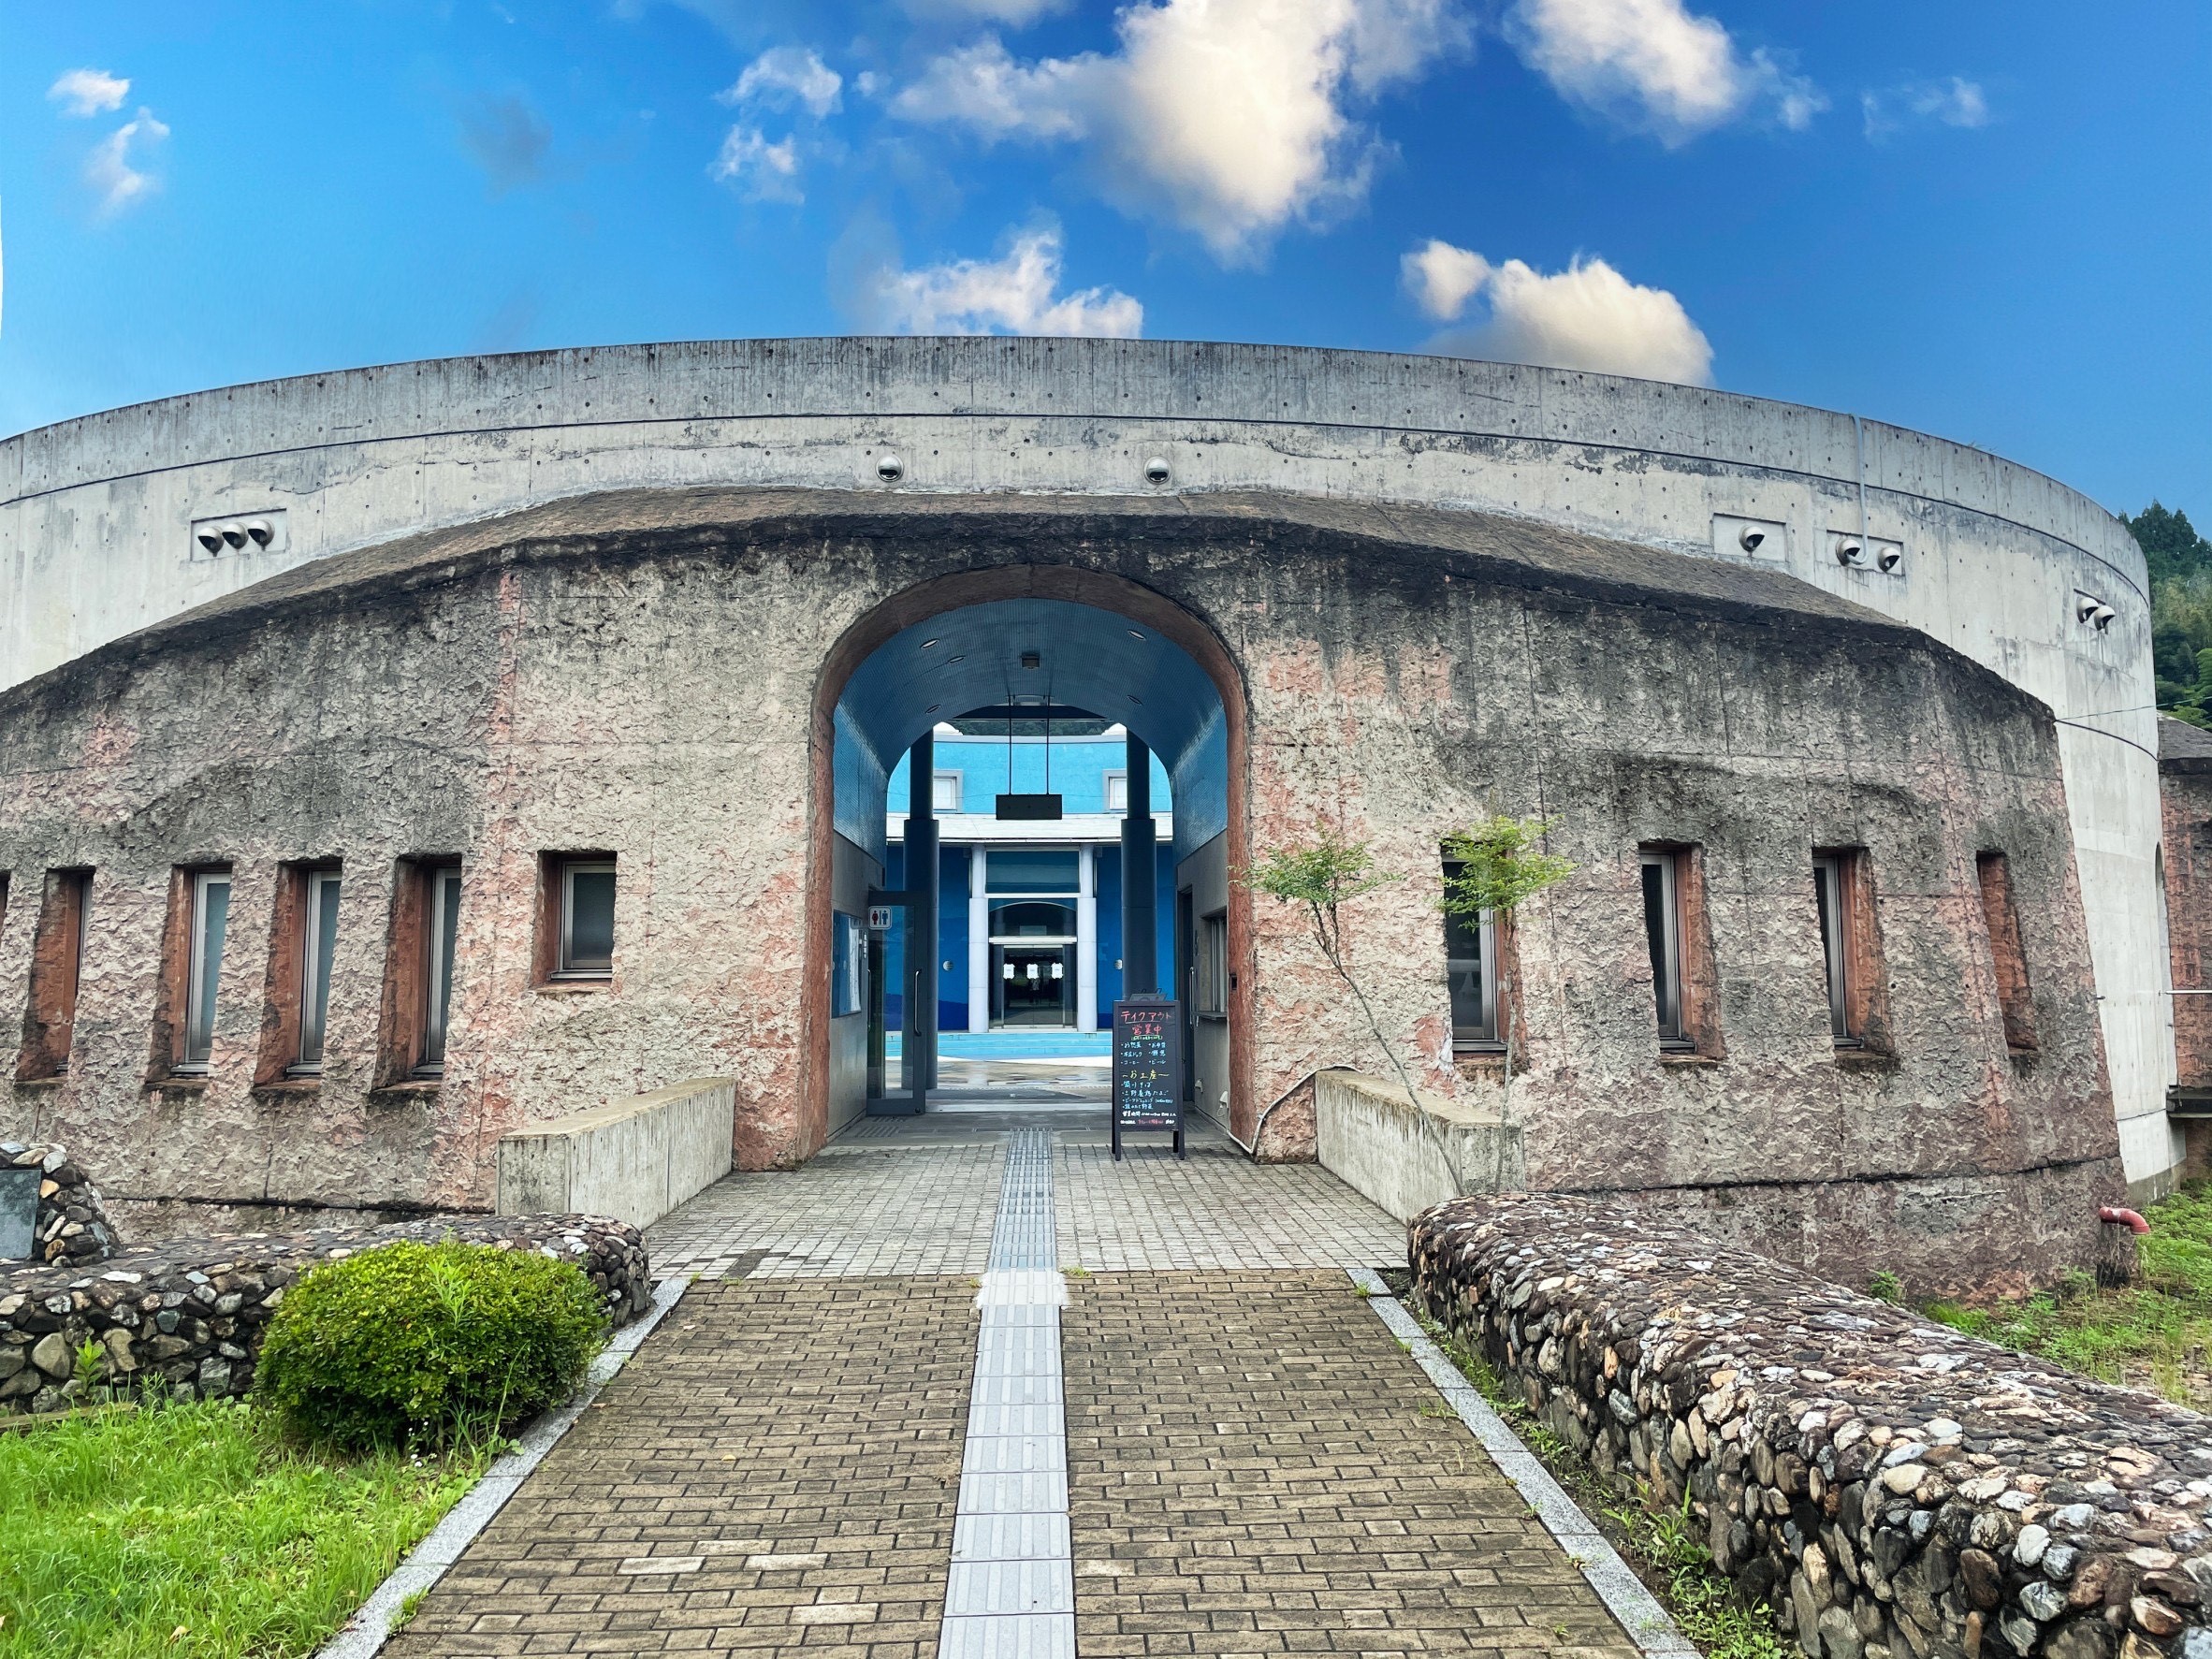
(196, 1531)
(2154, 1334)
(1660, 1547)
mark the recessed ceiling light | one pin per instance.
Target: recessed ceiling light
(961, 658)
(931, 709)
(927, 643)
(1134, 698)
(1134, 634)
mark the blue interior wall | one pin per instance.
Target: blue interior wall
(952, 938)
(1078, 772)
(1109, 951)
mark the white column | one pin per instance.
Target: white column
(979, 940)
(1086, 942)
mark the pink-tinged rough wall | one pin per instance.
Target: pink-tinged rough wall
(651, 676)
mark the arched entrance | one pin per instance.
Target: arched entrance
(1026, 641)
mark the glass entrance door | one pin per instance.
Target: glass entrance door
(897, 1085)
(1033, 985)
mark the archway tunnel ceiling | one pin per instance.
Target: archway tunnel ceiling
(1085, 657)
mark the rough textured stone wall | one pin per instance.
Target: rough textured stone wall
(193, 1310)
(72, 1226)
(1894, 1489)
(2185, 784)
(642, 675)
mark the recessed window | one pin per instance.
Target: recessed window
(2015, 1001)
(584, 892)
(1843, 893)
(1212, 964)
(1117, 792)
(442, 887)
(1471, 965)
(207, 920)
(847, 963)
(944, 792)
(1663, 934)
(57, 961)
(319, 949)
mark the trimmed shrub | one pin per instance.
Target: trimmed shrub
(427, 1343)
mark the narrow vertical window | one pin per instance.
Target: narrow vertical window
(2014, 999)
(1663, 934)
(1212, 964)
(440, 901)
(1832, 897)
(848, 961)
(1471, 967)
(944, 792)
(586, 903)
(1117, 792)
(57, 962)
(318, 947)
(209, 917)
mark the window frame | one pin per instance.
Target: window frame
(57, 972)
(1486, 1037)
(200, 997)
(313, 1009)
(849, 947)
(1666, 949)
(2008, 952)
(1213, 966)
(937, 779)
(565, 967)
(1832, 901)
(440, 897)
(1112, 781)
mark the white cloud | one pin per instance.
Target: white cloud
(1952, 101)
(1014, 14)
(89, 92)
(1015, 294)
(1229, 117)
(1654, 66)
(1442, 278)
(1586, 316)
(111, 169)
(760, 171)
(787, 74)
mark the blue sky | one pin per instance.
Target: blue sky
(1993, 222)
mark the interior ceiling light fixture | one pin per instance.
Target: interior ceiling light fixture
(927, 643)
(961, 658)
(1134, 634)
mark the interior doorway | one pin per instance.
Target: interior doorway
(1035, 981)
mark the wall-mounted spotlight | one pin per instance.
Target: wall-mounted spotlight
(2088, 609)
(219, 534)
(1850, 550)
(259, 531)
(1156, 470)
(1750, 537)
(890, 468)
(233, 532)
(1888, 559)
(209, 537)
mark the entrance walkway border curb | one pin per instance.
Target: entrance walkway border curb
(1648, 1623)
(365, 1633)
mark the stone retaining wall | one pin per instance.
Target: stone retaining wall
(194, 1310)
(1894, 1489)
(72, 1225)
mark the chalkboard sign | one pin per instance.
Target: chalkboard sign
(1148, 1068)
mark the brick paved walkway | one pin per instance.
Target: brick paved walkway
(777, 1471)
(1254, 1465)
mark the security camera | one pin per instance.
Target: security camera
(233, 532)
(1748, 538)
(890, 468)
(1849, 551)
(1889, 559)
(259, 531)
(209, 537)
(1156, 470)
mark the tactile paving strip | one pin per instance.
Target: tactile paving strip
(1011, 1590)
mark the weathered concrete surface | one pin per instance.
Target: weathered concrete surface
(643, 674)
(95, 514)
(1408, 1155)
(634, 1160)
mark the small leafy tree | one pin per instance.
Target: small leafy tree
(1321, 879)
(1497, 864)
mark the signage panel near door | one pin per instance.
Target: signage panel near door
(1148, 1063)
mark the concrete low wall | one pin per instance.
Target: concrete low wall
(1408, 1155)
(633, 1160)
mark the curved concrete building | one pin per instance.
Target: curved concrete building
(621, 610)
